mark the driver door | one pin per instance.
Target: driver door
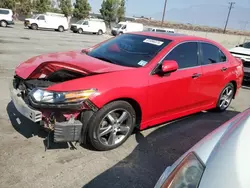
(176, 93)
(41, 21)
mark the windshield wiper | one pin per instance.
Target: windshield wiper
(105, 59)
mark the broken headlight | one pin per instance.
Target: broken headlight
(44, 96)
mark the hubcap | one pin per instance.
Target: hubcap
(226, 97)
(114, 127)
(3, 24)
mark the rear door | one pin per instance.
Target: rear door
(215, 71)
(177, 92)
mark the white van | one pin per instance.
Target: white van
(6, 17)
(125, 27)
(96, 26)
(48, 20)
(162, 30)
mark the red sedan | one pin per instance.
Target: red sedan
(136, 80)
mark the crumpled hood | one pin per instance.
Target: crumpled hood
(75, 60)
(240, 50)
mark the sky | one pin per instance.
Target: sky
(201, 12)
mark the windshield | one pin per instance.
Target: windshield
(130, 50)
(246, 45)
(34, 16)
(80, 22)
(118, 26)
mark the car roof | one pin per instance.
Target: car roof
(173, 36)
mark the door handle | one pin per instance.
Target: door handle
(224, 69)
(196, 75)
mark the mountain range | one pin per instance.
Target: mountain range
(209, 15)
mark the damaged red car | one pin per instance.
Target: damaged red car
(101, 94)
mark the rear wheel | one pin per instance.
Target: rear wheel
(111, 126)
(225, 97)
(3, 23)
(100, 32)
(34, 26)
(80, 31)
(60, 28)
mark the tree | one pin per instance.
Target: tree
(66, 7)
(109, 10)
(24, 7)
(82, 9)
(10, 4)
(41, 6)
(121, 11)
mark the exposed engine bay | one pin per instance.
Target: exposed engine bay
(63, 122)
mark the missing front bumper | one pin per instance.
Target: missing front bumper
(65, 131)
(22, 107)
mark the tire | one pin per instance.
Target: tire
(100, 32)
(34, 26)
(101, 130)
(225, 96)
(80, 31)
(60, 28)
(3, 23)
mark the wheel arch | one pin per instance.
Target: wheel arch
(235, 87)
(135, 104)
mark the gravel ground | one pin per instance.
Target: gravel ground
(137, 163)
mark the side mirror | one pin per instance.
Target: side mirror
(169, 66)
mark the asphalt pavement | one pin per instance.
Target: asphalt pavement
(137, 163)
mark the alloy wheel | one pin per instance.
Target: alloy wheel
(226, 97)
(114, 127)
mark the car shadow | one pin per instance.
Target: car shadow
(29, 129)
(159, 149)
(246, 85)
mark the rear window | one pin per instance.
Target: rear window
(131, 50)
(4, 11)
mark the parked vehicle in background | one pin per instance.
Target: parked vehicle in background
(135, 80)
(6, 17)
(163, 30)
(221, 159)
(96, 26)
(48, 20)
(125, 27)
(242, 51)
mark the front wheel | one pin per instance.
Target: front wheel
(225, 97)
(34, 26)
(3, 23)
(80, 31)
(111, 126)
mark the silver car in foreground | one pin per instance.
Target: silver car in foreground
(219, 160)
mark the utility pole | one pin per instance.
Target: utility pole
(229, 12)
(164, 10)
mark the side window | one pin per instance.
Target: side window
(186, 55)
(211, 54)
(160, 30)
(85, 23)
(4, 11)
(223, 57)
(124, 27)
(41, 18)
